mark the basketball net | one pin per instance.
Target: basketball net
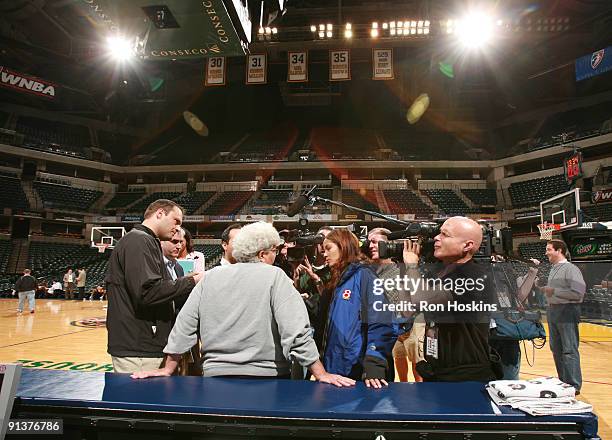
(547, 230)
(101, 247)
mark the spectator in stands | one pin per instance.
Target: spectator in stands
(141, 291)
(252, 322)
(564, 292)
(409, 345)
(456, 343)
(26, 288)
(227, 237)
(81, 279)
(69, 284)
(358, 339)
(189, 253)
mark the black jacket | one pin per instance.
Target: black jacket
(140, 295)
(25, 283)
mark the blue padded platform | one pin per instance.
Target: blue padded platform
(463, 401)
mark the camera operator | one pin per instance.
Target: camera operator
(309, 280)
(411, 333)
(456, 343)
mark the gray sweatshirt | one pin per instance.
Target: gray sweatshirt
(251, 321)
(568, 283)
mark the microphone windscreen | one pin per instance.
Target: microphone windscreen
(297, 206)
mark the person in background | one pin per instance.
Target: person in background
(26, 288)
(409, 345)
(69, 283)
(309, 279)
(80, 282)
(227, 237)
(564, 292)
(98, 292)
(56, 289)
(188, 251)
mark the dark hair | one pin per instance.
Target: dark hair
(558, 245)
(225, 235)
(348, 245)
(188, 240)
(165, 204)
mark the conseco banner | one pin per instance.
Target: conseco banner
(24, 83)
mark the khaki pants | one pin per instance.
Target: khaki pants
(134, 364)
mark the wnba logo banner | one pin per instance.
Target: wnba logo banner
(602, 196)
(594, 64)
(25, 83)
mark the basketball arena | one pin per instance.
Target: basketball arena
(388, 119)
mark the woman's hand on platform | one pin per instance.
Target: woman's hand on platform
(152, 373)
(376, 383)
(336, 379)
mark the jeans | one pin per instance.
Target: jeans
(510, 357)
(563, 320)
(22, 297)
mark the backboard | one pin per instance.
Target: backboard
(562, 209)
(107, 235)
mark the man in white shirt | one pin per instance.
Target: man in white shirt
(227, 237)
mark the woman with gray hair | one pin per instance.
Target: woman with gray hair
(252, 321)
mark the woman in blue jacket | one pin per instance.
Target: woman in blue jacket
(359, 335)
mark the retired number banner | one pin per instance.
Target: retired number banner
(298, 67)
(339, 65)
(382, 63)
(256, 71)
(215, 71)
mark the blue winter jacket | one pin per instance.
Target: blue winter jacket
(357, 334)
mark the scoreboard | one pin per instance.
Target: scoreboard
(573, 167)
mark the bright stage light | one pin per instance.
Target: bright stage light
(474, 30)
(120, 48)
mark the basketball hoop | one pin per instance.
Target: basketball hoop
(101, 247)
(547, 230)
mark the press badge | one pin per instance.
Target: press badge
(431, 342)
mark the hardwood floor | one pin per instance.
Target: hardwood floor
(70, 335)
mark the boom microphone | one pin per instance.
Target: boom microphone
(300, 202)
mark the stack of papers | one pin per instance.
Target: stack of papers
(539, 397)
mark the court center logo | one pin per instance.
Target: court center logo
(90, 322)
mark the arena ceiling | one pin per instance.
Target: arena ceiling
(527, 74)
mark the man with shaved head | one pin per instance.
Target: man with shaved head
(456, 300)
